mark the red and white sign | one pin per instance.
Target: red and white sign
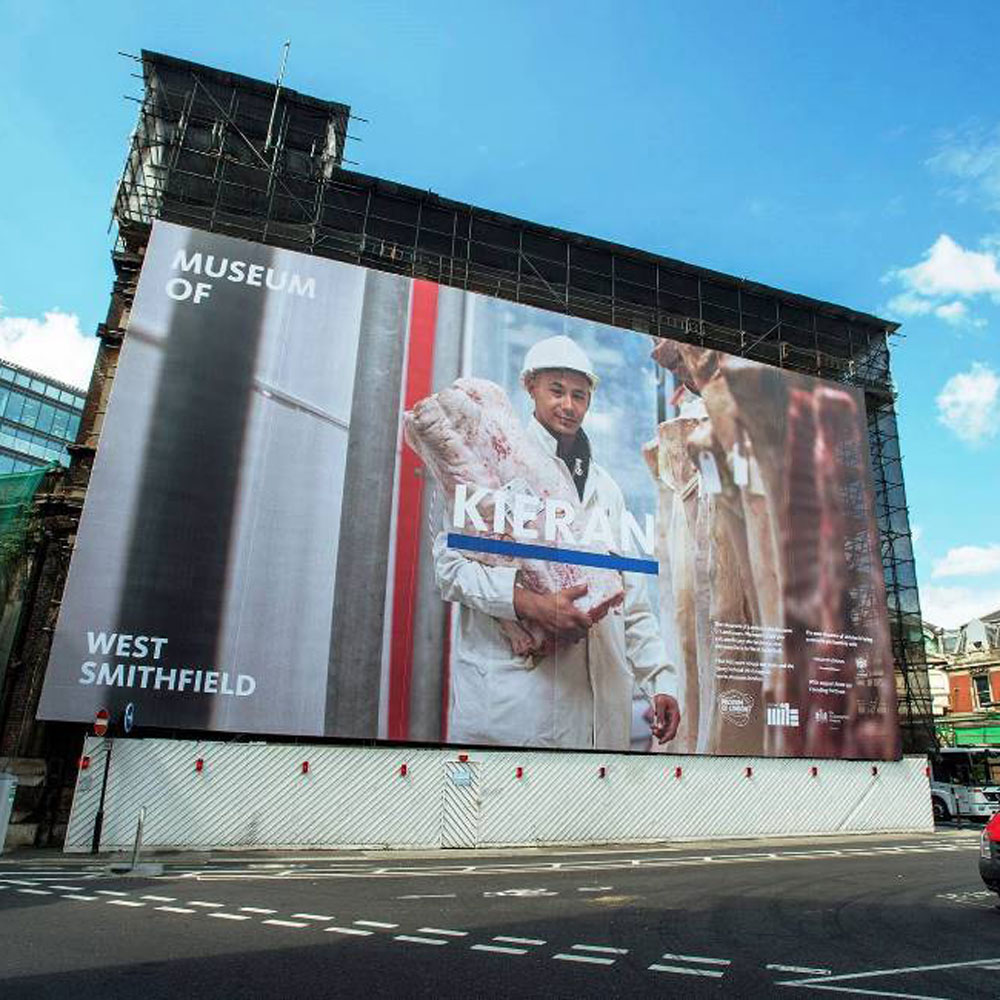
(101, 719)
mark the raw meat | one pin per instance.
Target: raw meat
(468, 433)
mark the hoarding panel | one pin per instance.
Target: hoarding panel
(330, 501)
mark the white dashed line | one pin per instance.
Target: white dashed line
(517, 940)
(110, 892)
(499, 949)
(442, 930)
(375, 923)
(418, 940)
(684, 971)
(123, 902)
(600, 948)
(36, 892)
(701, 959)
(256, 909)
(175, 909)
(160, 899)
(312, 916)
(594, 888)
(285, 923)
(210, 906)
(72, 895)
(230, 916)
(15, 881)
(590, 959)
(350, 930)
(798, 968)
(68, 888)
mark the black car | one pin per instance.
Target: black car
(989, 854)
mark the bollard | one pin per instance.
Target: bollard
(137, 846)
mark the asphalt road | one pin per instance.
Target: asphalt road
(890, 916)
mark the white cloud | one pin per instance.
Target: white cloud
(54, 345)
(952, 312)
(969, 404)
(972, 157)
(951, 607)
(968, 560)
(909, 304)
(950, 269)
(916, 532)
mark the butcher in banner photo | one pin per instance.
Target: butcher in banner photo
(564, 631)
(330, 500)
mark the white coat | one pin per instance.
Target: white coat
(578, 697)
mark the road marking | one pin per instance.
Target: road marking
(499, 949)
(68, 888)
(256, 909)
(15, 881)
(418, 940)
(824, 982)
(591, 959)
(36, 892)
(518, 940)
(600, 948)
(442, 930)
(594, 888)
(312, 916)
(71, 895)
(160, 899)
(230, 916)
(798, 968)
(174, 909)
(349, 930)
(199, 902)
(433, 895)
(696, 958)
(682, 970)
(110, 892)
(123, 902)
(375, 923)
(284, 923)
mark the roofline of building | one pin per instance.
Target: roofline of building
(243, 82)
(58, 383)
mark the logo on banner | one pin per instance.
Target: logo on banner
(783, 716)
(736, 707)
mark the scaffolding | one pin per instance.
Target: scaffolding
(229, 154)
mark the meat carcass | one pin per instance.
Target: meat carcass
(469, 434)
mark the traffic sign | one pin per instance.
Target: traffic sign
(101, 719)
(128, 717)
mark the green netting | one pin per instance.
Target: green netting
(17, 490)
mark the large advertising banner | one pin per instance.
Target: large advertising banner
(334, 501)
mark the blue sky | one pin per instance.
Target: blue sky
(848, 151)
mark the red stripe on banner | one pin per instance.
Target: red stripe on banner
(419, 365)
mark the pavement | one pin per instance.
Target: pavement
(902, 916)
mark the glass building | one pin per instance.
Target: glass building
(39, 417)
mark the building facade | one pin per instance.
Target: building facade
(39, 418)
(224, 154)
(968, 660)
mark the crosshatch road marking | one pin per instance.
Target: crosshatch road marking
(518, 940)
(175, 909)
(600, 948)
(441, 930)
(285, 923)
(684, 971)
(230, 916)
(418, 940)
(350, 930)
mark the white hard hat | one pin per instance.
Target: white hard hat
(558, 352)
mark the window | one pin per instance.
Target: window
(6, 374)
(74, 427)
(60, 423)
(982, 683)
(14, 405)
(21, 379)
(6, 464)
(52, 391)
(29, 415)
(45, 415)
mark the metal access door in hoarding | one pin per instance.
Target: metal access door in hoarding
(460, 804)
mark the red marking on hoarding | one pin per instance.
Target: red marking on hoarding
(84, 763)
(305, 767)
(402, 770)
(101, 720)
(678, 772)
(419, 367)
(519, 772)
(199, 764)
